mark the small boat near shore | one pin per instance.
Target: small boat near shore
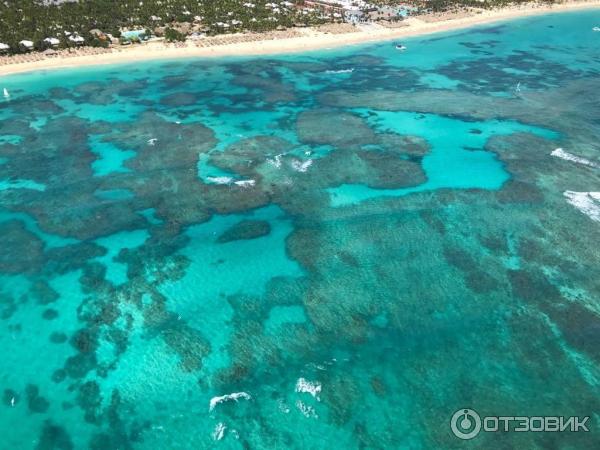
(400, 47)
(596, 29)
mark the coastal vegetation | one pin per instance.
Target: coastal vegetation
(35, 21)
(99, 23)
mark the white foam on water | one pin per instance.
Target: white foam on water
(225, 398)
(219, 431)
(300, 166)
(340, 71)
(220, 180)
(560, 153)
(245, 183)
(275, 162)
(586, 202)
(311, 387)
(306, 410)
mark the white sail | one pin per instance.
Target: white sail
(6, 94)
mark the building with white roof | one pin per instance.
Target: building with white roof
(52, 41)
(28, 45)
(78, 40)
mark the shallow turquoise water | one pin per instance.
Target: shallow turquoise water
(336, 249)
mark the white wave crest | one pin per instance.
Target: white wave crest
(300, 166)
(586, 202)
(275, 162)
(219, 431)
(311, 387)
(340, 71)
(225, 398)
(306, 410)
(220, 180)
(245, 183)
(560, 153)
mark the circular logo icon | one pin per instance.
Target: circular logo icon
(465, 424)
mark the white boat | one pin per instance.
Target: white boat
(6, 94)
(400, 47)
(596, 29)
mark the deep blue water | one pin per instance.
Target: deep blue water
(336, 249)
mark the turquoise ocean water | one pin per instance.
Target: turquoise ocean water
(336, 249)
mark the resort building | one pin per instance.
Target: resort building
(76, 39)
(354, 16)
(26, 45)
(325, 5)
(133, 35)
(4, 48)
(52, 41)
(356, 11)
(335, 3)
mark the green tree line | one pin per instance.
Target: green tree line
(35, 21)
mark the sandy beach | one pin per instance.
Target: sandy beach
(295, 40)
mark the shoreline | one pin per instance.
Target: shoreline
(310, 39)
